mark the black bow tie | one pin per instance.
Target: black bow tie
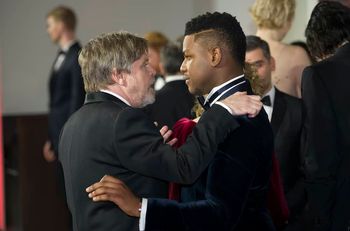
(266, 101)
(61, 52)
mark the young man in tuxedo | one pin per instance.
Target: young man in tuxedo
(173, 101)
(285, 114)
(230, 194)
(326, 130)
(111, 135)
(66, 88)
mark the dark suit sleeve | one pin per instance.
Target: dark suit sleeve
(228, 182)
(140, 146)
(319, 146)
(77, 87)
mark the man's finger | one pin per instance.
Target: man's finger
(172, 142)
(163, 130)
(240, 93)
(103, 197)
(167, 135)
(100, 184)
(103, 190)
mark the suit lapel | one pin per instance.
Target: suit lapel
(279, 110)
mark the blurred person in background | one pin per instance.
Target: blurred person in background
(285, 114)
(273, 19)
(156, 41)
(173, 101)
(344, 2)
(326, 130)
(303, 45)
(66, 89)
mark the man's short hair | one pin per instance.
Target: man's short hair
(65, 15)
(113, 50)
(156, 40)
(171, 57)
(272, 14)
(328, 28)
(255, 42)
(219, 29)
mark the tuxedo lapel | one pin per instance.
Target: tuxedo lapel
(279, 110)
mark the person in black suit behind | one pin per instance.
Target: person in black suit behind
(231, 193)
(173, 100)
(66, 88)
(326, 130)
(285, 114)
(110, 134)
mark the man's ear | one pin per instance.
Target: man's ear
(215, 56)
(118, 77)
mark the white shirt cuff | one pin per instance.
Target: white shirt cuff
(142, 222)
(224, 106)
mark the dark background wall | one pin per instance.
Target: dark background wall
(33, 198)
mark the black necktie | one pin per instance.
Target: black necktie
(266, 100)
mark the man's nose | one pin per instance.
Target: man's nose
(183, 67)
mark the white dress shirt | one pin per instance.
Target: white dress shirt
(172, 78)
(269, 109)
(115, 95)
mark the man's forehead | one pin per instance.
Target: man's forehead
(257, 53)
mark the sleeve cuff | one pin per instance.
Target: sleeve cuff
(224, 106)
(142, 222)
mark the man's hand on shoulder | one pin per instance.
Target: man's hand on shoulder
(242, 104)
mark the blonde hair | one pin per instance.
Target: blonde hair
(65, 15)
(156, 40)
(272, 14)
(113, 50)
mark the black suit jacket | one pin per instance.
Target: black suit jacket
(173, 102)
(66, 91)
(326, 140)
(106, 136)
(286, 122)
(231, 193)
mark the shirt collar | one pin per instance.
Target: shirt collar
(115, 95)
(172, 78)
(271, 93)
(215, 89)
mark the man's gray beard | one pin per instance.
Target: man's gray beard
(149, 99)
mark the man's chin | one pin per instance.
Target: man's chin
(149, 99)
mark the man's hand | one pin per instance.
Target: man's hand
(241, 104)
(111, 189)
(166, 133)
(48, 154)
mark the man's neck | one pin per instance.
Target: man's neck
(66, 40)
(225, 77)
(267, 90)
